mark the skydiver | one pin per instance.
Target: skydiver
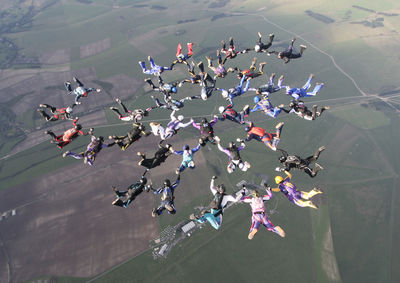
(57, 113)
(236, 91)
(197, 78)
(155, 70)
(259, 216)
(260, 46)
(159, 156)
(134, 135)
(301, 110)
(68, 135)
(170, 103)
(266, 106)
(206, 130)
(135, 115)
(220, 71)
(92, 149)
(231, 52)
(217, 205)
(80, 91)
(180, 58)
(288, 53)
(229, 113)
(251, 73)
(294, 161)
(165, 88)
(298, 93)
(290, 191)
(167, 197)
(270, 87)
(187, 158)
(233, 154)
(269, 139)
(172, 127)
(125, 197)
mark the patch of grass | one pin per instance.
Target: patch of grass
(362, 117)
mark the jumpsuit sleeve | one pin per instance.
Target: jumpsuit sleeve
(196, 148)
(212, 187)
(246, 199)
(194, 124)
(289, 176)
(224, 150)
(180, 152)
(214, 121)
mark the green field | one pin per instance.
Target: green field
(351, 238)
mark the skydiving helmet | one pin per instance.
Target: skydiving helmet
(256, 99)
(185, 147)
(167, 183)
(255, 193)
(69, 109)
(204, 121)
(231, 145)
(221, 109)
(143, 180)
(173, 89)
(100, 139)
(278, 179)
(282, 159)
(247, 128)
(78, 127)
(180, 117)
(257, 48)
(224, 94)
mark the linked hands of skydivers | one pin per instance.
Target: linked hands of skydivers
(98, 90)
(217, 139)
(279, 169)
(214, 177)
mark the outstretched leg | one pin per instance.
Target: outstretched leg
(317, 88)
(78, 82)
(308, 83)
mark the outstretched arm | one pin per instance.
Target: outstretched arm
(196, 148)
(212, 187)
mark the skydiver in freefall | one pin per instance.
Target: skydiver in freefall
(220, 71)
(231, 52)
(294, 195)
(266, 106)
(135, 115)
(288, 53)
(294, 161)
(167, 197)
(180, 58)
(125, 197)
(270, 87)
(159, 156)
(132, 136)
(235, 159)
(220, 200)
(172, 127)
(57, 113)
(187, 158)
(231, 93)
(251, 73)
(301, 110)
(298, 93)
(155, 70)
(231, 114)
(80, 91)
(259, 216)
(92, 149)
(206, 130)
(68, 135)
(269, 139)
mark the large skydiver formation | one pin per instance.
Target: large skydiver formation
(207, 83)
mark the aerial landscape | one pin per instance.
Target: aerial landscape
(57, 218)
